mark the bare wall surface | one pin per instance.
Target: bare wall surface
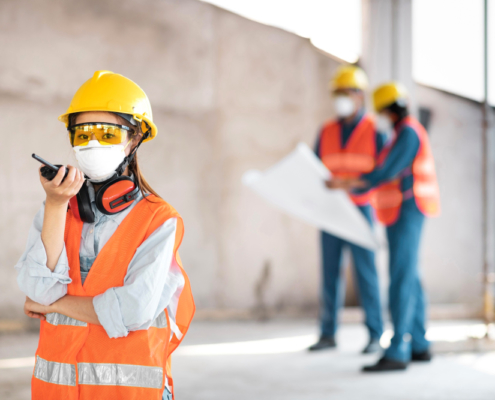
(228, 94)
(452, 253)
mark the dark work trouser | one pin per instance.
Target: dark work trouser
(366, 278)
(406, 297)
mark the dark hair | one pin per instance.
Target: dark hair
(400, 109)
(134, 168)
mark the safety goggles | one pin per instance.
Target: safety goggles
(107, 134)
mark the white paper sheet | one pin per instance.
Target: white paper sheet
(296, 185)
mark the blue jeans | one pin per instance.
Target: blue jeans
(406, 297)
(166, 395)
(366, 277)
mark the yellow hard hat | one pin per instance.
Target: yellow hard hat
(107, 91)
(349, 77)
(387, 94)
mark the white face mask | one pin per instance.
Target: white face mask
(344, 106)
(384, 125)
(99, 162)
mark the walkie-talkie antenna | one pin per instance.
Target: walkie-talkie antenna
(48, 164)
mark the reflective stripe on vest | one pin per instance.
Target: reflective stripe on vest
(55, 372)
(348, 163)
(99, 374)
(59, 319)
(120, 375)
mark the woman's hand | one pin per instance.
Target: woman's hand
(345, 184)
(336, 183)
(59, 193)
(35, 310)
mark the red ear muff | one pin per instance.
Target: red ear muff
(116, 195)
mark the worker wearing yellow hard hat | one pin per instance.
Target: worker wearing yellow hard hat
(406, 191)
(109, 92)
(386, 95)
(348, 146)
(105, 248)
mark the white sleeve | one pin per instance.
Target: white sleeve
(34, 278)
(149, 286)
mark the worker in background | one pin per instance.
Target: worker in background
(348, 146)
(407, 191)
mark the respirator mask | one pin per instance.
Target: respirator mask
(344, 106)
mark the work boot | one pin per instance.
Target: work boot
(325, 342)
(372, 347)
(423, 356)
(386, 364)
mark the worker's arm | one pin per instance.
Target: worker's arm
(151, 284)
(76, 307)
(35, 279)
(58, 194)
(401, 156)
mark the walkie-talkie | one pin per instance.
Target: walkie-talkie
(49, 170)
(80, 204)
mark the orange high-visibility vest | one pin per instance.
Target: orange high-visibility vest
(356, 158)
(387, 199)
(77, 360)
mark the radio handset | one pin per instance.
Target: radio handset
(49, 170)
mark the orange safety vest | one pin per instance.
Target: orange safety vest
(77, 360)
(387, 199)
(356, 158)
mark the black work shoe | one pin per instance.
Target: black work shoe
(372, 347)
(423, 356)
(386, 364)
(325, 342)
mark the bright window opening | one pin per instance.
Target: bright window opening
(333, 26)
(448, 46)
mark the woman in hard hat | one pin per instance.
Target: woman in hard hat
(407, 191)
(104, 276)
(348, 146)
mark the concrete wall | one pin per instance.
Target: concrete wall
(452, 252)
(228, 95)
(387, 43)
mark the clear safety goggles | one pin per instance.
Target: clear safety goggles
(107, 134)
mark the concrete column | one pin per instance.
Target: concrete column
(386, 56)
(387, 42)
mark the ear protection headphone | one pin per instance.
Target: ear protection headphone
(113, 197)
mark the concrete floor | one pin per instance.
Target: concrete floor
(250, 360)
